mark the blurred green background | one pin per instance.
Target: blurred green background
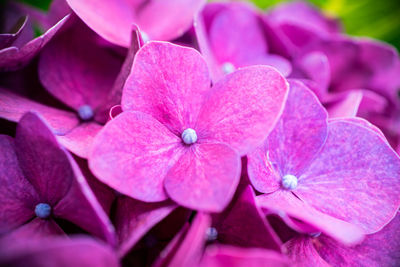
(377, 19)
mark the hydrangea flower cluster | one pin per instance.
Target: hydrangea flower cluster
(187, 133)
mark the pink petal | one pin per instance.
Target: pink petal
(280, 63)
(205, 177)
(168, 82)
(284, 202)
(81, 207)
(222, 255)
(250, 96)
(14, 57)
(296, 138)
(236, 34)
(380, 249)
(354, 177)
(167, 20)
(77, 71)
(142, 148)
(134, 219)
(79, 139)
(160, 19)
(191, 247)
(43, 162)
(17, 196)
(13, 106)
(347, 105)
(302, 252)
(243, 224)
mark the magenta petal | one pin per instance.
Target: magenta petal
(379, 249)
(222, 256)
(161, 19)
(79, 139)
(358, 160)
(17, 196)
(142, 148)
(134, 219)
(205, 177)
(250, 96)
(236, 35)
(81, 207)
(168, 82)
(283, 202)
(278, 62)
(43, 162)
(14, 57)
(191, 248)
(296, 138)
(76, 70)
(302, 252)
(347, 105)
(166, 20)
(243, 224)
(37, 228)
(13, 107)
(77, 252)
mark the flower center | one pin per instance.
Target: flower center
(211, 234)
(189, 136)
(85, 112)
(43, 210)
(289, 182)
(228, 67)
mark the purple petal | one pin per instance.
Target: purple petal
(17, 196)
(43, 162)
(354, 177)
(78, 252)
(380, 249)
(250, 96)
(134, 219)
(282, 203)
(296, 138)
(77, 71)
(13, 107)
(14, 57)
(35, 229)
(142, 148)
(243, 224)
(302, 252)
(222, 255)
(81, 207)
(205, 177)
(168, 82)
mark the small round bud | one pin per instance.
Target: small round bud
(228, 67)
(189, 136)
(289, 182)
(43, 210)
(85, 112)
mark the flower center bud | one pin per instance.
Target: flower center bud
(43, 210)
(289, 182)
(85, 112)
(189, 136)
(211, 234)
(228, 67)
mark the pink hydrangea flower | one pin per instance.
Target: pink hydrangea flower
(158, 20)
(179, 138)
(330, 174)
